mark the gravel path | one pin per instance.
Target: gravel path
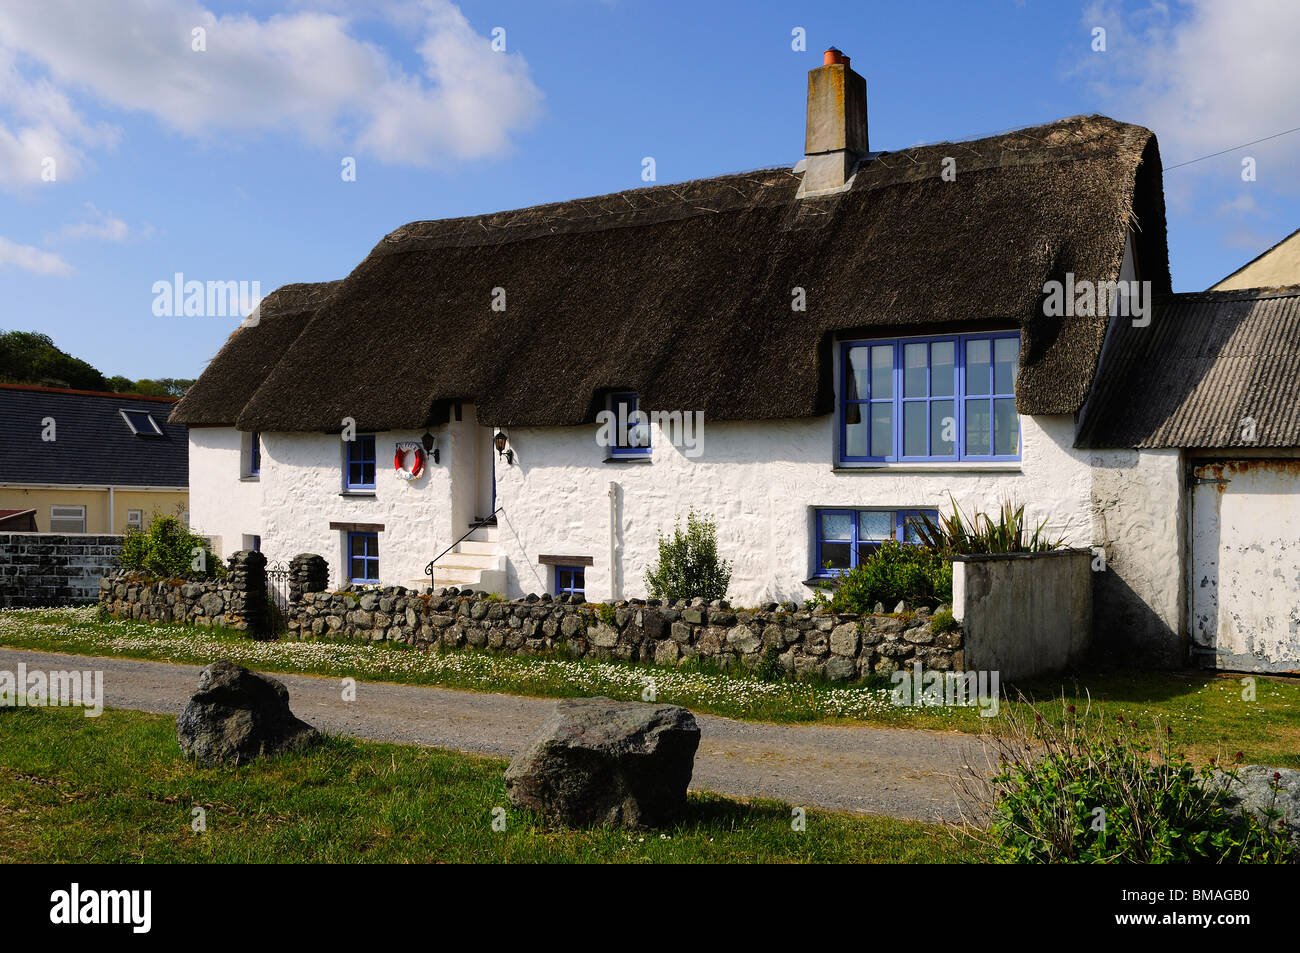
(892, 771)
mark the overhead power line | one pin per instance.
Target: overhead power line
(1221, 152)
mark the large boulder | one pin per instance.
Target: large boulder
(1252, 792)
(238, 715)
(597, 761)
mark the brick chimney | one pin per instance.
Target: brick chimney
(837, 123)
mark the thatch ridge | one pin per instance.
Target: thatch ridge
(249, 354)
(683, 292)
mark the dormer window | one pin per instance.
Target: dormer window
(141, 423)
(631, 426)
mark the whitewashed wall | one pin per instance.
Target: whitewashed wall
(761, 481)
(302, 487)
(221, 504)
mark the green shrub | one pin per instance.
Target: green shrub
(893, 573)
(943, 621)
(688, 565)
(167, 549)
(1090, 791)
(958, 533)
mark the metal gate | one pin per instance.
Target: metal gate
(277, 598)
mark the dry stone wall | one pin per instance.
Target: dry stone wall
(802, 640)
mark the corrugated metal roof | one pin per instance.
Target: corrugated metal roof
(92, 444)
(1207, 366)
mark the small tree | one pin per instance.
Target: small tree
(688, 565)
(166, 549)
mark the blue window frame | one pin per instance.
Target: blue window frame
(846, 537)
(255, 454)
(632, 434)
(930, 399)
(571, 579)
(363, 557)
(361, 463)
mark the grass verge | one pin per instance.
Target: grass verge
(115, 789)
(1210, 714)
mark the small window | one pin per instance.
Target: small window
(363, 557)
(141, 423)
(67, 519)
(361, 463)
(253, 542)
(631, 427)
(254, 453)
(847, 537)
(571, 579)
(135, 519)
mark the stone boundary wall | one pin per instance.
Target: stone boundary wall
(834, 647)
(236, 600)
(47, 569)
(802, 641)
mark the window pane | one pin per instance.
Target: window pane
(858, 382)
(837, 526)
(875, 524)
(1006, 355)
(882, 372)
(914, 368)
(357, 545)
(977, 427)
(855, 432)
(579, 580)
(942, 369)
(914, 428)
(882, 430)
(368, 473)
(837, 554)
(1006, 428)
(943, 422)
(977, 367)
(910, 534)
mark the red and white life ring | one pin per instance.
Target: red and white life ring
(399, 458)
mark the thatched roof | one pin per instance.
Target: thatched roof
(683, 292)
(249, 354)
(1208, 363)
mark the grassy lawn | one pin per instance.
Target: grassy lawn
(115, 789)
(1207, 713)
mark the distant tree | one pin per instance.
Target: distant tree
(29, 357)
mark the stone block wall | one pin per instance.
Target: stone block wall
(835, 647)
(45, 569)
(802, 641)
(236, 600)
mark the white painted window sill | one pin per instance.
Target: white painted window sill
(1006, 466)
(630, 458)
(359, 494)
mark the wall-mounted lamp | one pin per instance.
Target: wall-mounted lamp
(500, 441)
(430, 444)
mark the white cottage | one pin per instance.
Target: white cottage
(857, 338)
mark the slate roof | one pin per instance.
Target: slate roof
(93, 444)
(1208, 362)
(683, 292)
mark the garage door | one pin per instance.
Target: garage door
(1245, 564)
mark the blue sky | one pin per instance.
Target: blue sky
(224, 163)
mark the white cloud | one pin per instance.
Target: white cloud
(97, 226)
(1206, 75)
(30, 258)
(302, 71)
